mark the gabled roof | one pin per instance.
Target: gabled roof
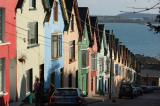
(95, 29)
(101, 32)
(83, 12)
(69, 5)
(19, 4)
(84, 17)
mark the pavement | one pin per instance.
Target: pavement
(90, 100)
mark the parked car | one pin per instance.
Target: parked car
(126, 90)
(147, 89)
(67, 96)
(139, 90)
(135, 91)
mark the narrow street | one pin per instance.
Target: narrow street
(151, 99)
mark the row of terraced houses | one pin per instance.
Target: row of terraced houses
(61, 44)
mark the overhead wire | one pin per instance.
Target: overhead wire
(43, 24)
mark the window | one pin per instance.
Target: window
(107, 66)
(56, 46)
(92, 84)
(55, 11)
(29, 80)
(1, 24)
(94, 62)
(2, 74)
(32, 33)
(85, 58)
(71, 51)
(101, 65)
(72, 23)
(70, 80)
(32, 4)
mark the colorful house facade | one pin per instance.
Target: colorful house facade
(102, 66)
(7, 52)
(30, 45)
(54, 48)
(93, 48)
(83, 51)
(71, 39)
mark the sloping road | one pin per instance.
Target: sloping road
(151, 99)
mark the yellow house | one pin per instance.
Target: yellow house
(30, 45)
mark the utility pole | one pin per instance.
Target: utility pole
(110, 87)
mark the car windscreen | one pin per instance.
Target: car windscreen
(65, 92)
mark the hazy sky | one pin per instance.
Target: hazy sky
(113, 7)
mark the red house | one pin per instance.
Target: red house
(7, 51)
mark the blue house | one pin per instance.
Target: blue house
(54, 49)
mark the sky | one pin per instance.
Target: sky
(113, 7)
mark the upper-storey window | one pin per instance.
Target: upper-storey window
(32, 33)
(72, 23)
(55, 11)
(71, 51)
(32, 4)
(56, 46)
(1, 24)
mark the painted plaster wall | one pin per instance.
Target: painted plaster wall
(71, 68)
(34, 55)
(8, 49)
(53, 65)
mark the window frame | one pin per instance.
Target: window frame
(2, 23)
(32, 4)
(94, 62)
(71, 49)
(87, 59)
(35, 39)
(101, 65)
(2, 62)
(59, 46)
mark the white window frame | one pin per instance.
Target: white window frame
(32, 41)
(2, 24)
(86, 59)
(58, 47)
(2, 70)
(31, 4)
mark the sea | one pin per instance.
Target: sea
(137, 37)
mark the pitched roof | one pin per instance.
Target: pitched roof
(19, 4)
(83, 12)
(69, 6)
(94, 22)
(101, 30)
